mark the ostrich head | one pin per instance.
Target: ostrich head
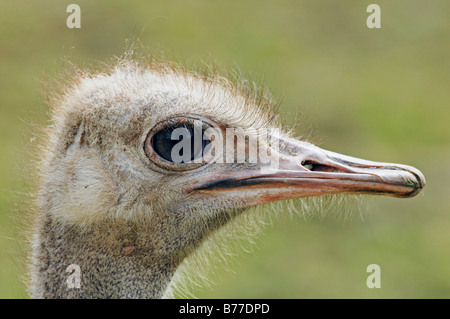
(127, 196)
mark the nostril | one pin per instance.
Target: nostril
(308, 165)
(317, 167)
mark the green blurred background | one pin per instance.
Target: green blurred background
(380, 94)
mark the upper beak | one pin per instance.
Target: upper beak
(307, 170)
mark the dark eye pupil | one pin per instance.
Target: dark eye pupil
(163, 143)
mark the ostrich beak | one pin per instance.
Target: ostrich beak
(308, 170)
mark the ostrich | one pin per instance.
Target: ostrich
(113, 202)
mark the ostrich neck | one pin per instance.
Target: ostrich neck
(115, 259)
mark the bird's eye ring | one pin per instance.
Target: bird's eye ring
(181, 143)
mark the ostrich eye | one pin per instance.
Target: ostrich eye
(179, 143)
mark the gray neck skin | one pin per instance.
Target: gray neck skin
(116, 260)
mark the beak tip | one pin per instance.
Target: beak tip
(418, 182)
(418, 175)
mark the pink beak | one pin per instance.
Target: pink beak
(308, 170)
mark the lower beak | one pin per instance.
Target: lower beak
(306, 170)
